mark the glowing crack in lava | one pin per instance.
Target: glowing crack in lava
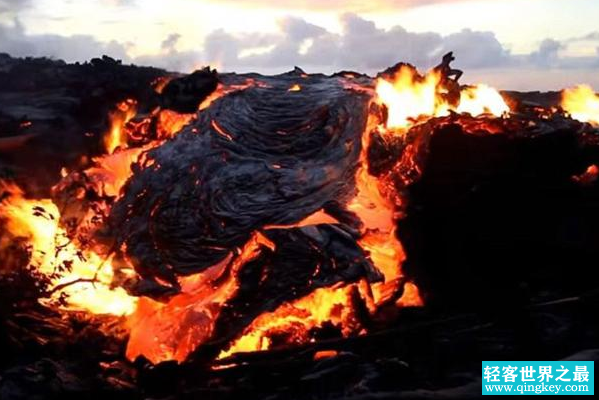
(171, 330)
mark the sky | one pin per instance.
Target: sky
(511, 44)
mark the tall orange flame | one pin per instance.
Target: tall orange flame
(123, 113)
(408, 97)
(81, 274)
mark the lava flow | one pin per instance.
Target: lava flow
(87, 275)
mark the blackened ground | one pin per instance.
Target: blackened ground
(495, 220)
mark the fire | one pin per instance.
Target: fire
(160, 83)
(171, 330)
(295, 320)
(589, 176)
(582, 103)
(409, 97)
(82, 275)
(123, 113)
(482, 99)
(110, 173)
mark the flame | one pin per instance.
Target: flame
(482, 99)
(295, 320)
(172, 330)
(411, 296)
(110, 173)
(410, 97)
(582, 103)
(123, 113)
(317, 218)
(81, 274)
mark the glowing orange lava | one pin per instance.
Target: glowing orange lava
(171, 330)
(295, 319)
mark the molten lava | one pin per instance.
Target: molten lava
(294, 321)
(171, 330)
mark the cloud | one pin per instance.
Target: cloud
(548, 53)
(360, 45)
(336, 5)
(16, 42)
(169, 44)
(14, 6)
(591, 36)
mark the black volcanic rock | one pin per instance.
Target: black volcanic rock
(258, 157)
(493, 215)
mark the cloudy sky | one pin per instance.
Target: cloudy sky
(512, 44)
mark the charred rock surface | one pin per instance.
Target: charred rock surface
(185, 94)
(496, 219)
(56, 112)
(259, 157)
